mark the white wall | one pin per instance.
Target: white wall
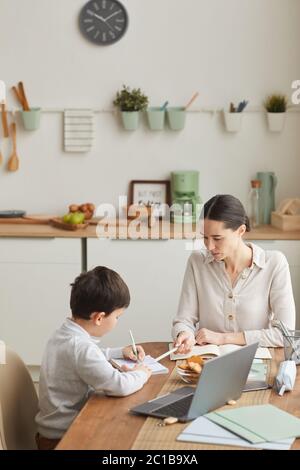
(228, 50)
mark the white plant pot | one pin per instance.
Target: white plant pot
(276, 121)
(233, 121)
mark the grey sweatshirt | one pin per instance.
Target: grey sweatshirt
(73, 367)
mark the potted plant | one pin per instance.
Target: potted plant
(276, 106)
(233, 118)
(130, 103)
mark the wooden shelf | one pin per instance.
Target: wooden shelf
(266, 232)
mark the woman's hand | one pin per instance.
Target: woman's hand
(185, 342)
(129, 354)
(205, 336)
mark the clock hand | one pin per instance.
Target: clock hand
(103, 21)
(99, 17)
(113, 14)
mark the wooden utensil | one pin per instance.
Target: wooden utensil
(18, 96)
(24, 221)
(4, 120)
(13, 162)
(23, 95)
(192, 100)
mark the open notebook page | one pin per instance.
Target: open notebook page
(214, 350)
(149, 361)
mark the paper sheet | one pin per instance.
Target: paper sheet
(149, 361)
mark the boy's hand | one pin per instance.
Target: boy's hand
(129, 354)
(143, 368)
(138, 367)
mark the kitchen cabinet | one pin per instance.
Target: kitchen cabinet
(35, 277)
(153, 271)
(291, 249)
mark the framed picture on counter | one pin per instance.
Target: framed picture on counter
(151, 193)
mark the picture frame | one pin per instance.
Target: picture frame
(151, 193)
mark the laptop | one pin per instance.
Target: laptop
(222, 379)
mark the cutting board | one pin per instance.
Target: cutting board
(29, 219)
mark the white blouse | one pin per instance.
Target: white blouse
(262, 293)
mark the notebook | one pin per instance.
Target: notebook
(205, 431)
(149, 361)
(211, 350)
(259, 423)
(258, 372)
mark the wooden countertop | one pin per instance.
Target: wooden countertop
(266, 232)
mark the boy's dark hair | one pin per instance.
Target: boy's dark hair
(228, 209)
(98, 290)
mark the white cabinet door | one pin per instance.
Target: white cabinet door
(153, 271)
(291, 249)
(35, 277)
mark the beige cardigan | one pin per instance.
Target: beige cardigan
(262, 293)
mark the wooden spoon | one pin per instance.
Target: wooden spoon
(13, 162)
(1, 156)
(192, 100)
(18, 96)
(4, 120)
(23, 96)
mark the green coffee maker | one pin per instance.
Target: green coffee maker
(185, 198)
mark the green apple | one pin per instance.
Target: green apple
(67, 217)
(76, 218)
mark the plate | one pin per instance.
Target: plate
(187, 376)
(59, 223)
(11, 214)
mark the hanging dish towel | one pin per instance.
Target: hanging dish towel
(78, 130)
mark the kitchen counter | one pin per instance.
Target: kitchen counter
(266, 232)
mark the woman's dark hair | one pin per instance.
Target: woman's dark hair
(98, 290)
(228, 209)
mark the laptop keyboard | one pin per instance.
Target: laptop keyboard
(178, 408)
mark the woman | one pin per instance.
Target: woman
(232, 290)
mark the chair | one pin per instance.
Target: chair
(18, 405)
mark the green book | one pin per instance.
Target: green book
(258, 423)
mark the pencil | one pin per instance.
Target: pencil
(159, 358)
(133, 345)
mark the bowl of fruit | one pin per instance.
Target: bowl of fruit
(87, 209)
(77, 218)
(189, 370)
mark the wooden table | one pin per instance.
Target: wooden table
(105, 423)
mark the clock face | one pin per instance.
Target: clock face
(103, 21)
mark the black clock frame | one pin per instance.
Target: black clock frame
(98, 40)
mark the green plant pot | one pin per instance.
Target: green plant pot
(130, 120)
(156, 118)
(176, 117)
(31, 119)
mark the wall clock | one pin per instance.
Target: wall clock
(103, 22)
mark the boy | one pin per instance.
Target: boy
(74, 366)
